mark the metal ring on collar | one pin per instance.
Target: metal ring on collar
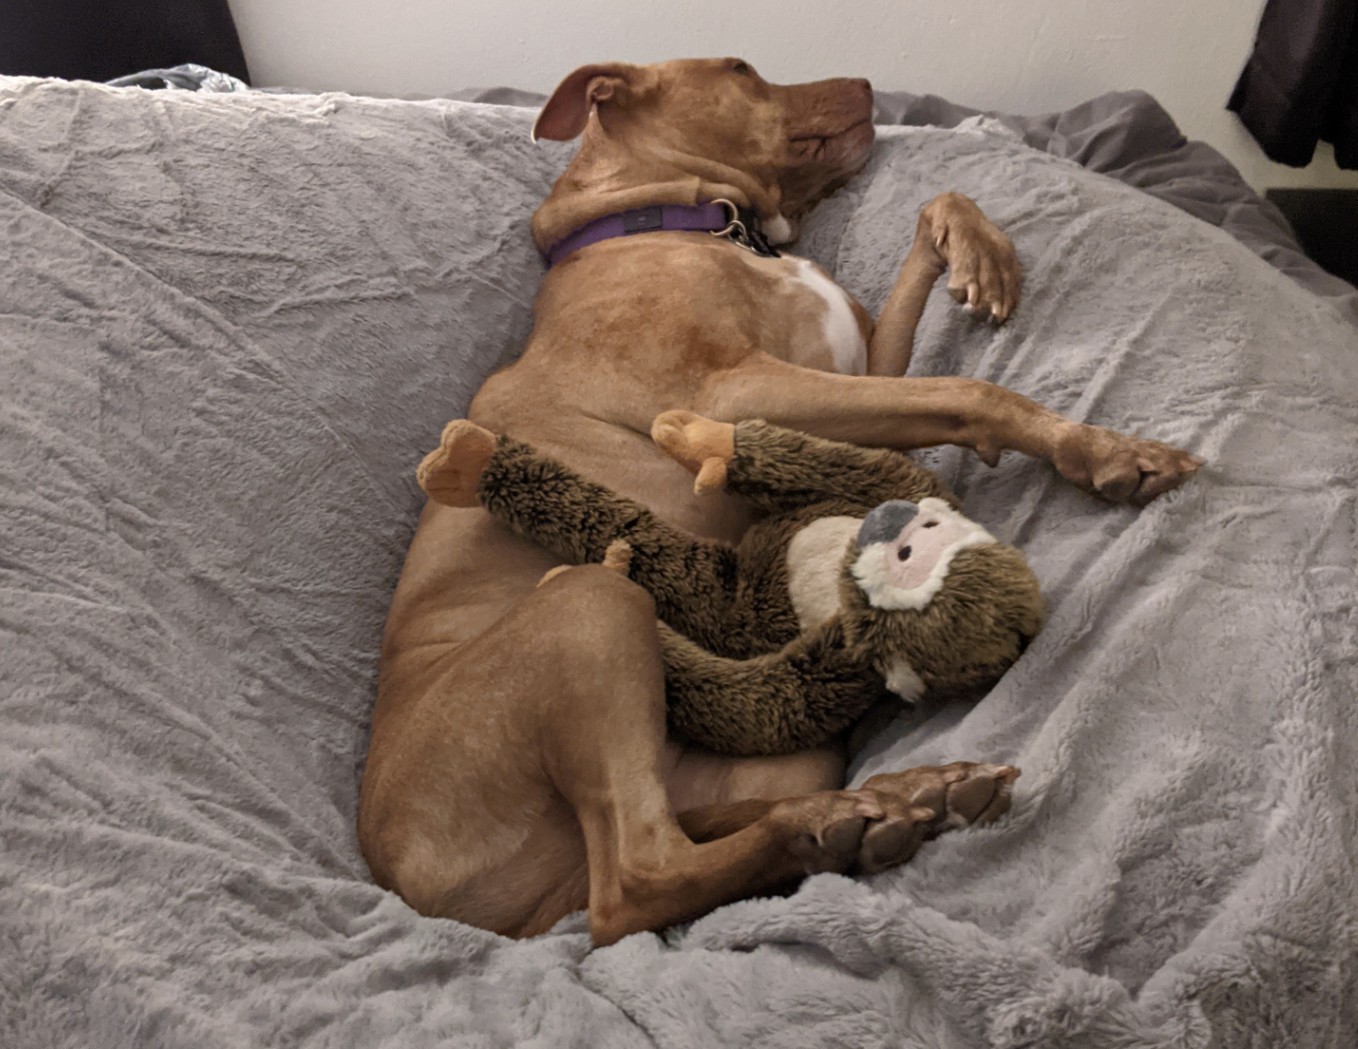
(734, 227)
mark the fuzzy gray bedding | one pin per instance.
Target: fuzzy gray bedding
(230, 325)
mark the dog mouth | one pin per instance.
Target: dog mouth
(852, 143)
(821, 162)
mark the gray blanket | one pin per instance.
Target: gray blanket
(229, 327)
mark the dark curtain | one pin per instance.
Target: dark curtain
(1300, 84)
(103, 39)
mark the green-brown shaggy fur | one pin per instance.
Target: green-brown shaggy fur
(741, 676)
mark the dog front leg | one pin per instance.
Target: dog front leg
(918, 413)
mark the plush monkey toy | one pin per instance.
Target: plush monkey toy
(860, 580)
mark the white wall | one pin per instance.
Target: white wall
(1026, 57)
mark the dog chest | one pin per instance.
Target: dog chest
(824, 332)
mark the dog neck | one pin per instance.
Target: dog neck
(609, 175)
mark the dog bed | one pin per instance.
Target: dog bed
(230, 325)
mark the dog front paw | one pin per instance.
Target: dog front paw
(1120, 468)
(983, 267)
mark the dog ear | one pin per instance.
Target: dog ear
(566, 112)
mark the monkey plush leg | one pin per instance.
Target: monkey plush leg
(781, 470)
(785, 701)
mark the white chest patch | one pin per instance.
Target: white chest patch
(814, 558)
(842, 334)
(778, 230)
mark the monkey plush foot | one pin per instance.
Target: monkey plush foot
(451, 472)
(703, 446)
(618, 557)
(922, 803)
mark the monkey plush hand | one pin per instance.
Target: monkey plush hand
(861, 579)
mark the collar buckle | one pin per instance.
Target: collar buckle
(742, 228)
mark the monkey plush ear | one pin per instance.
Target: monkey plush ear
(567, 111)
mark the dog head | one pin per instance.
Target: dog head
(714, 124)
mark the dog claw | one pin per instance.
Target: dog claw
(844, 836)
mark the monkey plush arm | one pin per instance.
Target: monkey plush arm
(785, 470)
(693, 581)
(778, 703)
(781, 470)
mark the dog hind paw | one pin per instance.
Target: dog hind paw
(922, 803)
(824, 832)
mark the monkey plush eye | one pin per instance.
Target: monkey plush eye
(903, 553)
(743, 68)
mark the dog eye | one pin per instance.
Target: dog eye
(743, 68)
(929, 524)
(903, 553)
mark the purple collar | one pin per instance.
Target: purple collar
(720, 217)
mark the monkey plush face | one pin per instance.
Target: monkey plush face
(908, 548)
(941, 603)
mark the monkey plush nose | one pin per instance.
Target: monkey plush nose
(886, 521)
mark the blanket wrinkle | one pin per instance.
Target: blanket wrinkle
(253, 359)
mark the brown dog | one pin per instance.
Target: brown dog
(519, 768)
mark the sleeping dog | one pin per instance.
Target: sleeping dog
(519, 766)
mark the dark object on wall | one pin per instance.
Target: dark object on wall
(1326, 223)
(100, 40)
(1300, 84)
